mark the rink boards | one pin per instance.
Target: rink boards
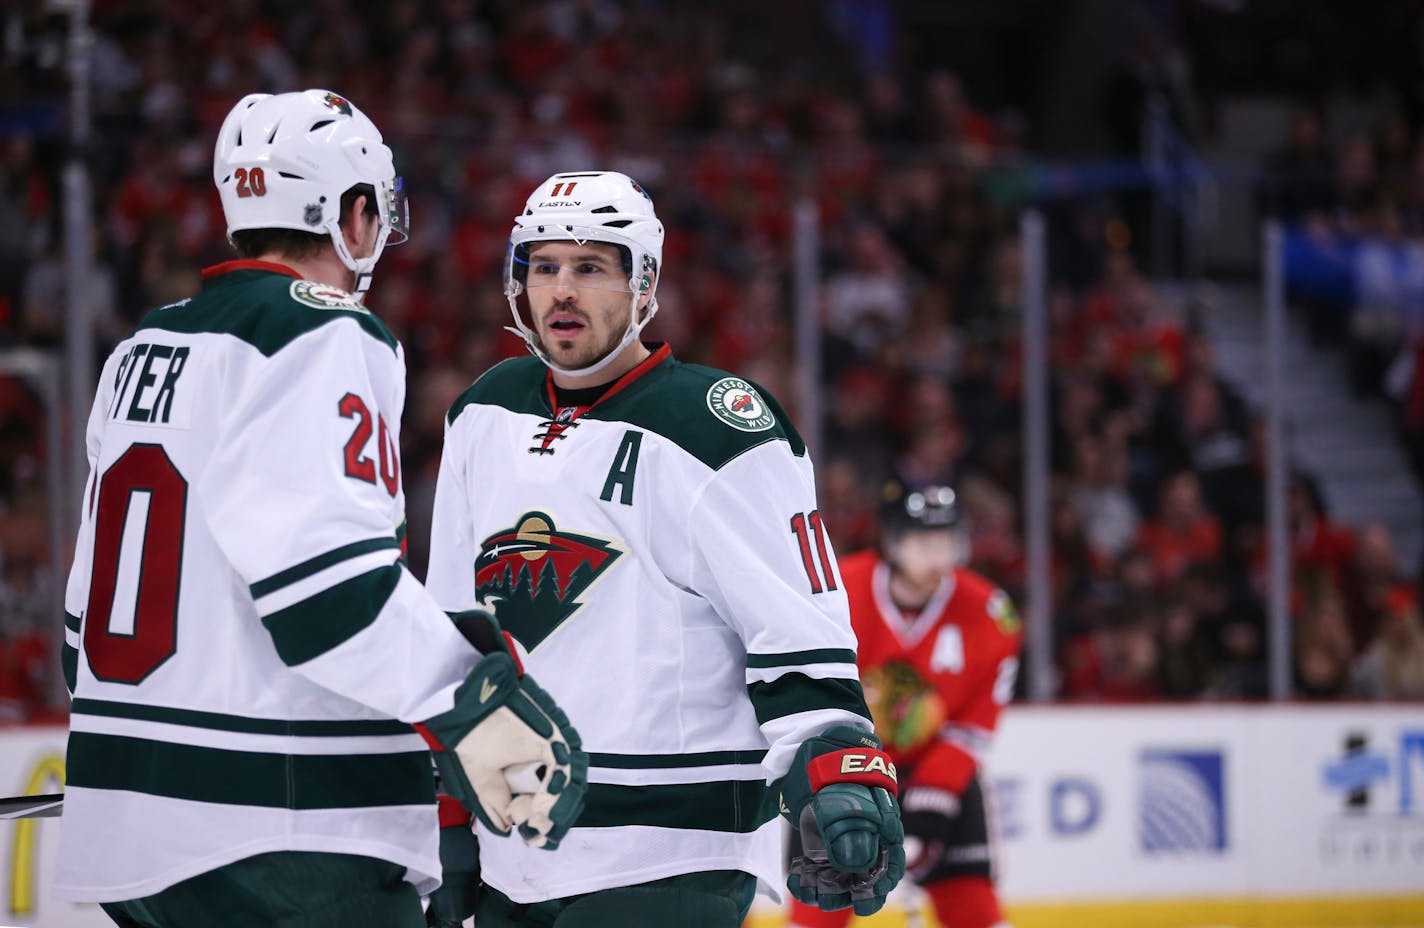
(1150, 817)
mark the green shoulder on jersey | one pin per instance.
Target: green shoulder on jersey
(266, 309)
(671, 400)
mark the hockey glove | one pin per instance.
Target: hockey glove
(455, 900)
(502, 720)
(840, 795)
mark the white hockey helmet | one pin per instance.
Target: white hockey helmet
(591, 206)
(283, 161)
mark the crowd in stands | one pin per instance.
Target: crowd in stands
(1367, 188)
(1157, 506)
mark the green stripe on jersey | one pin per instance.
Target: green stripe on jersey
(315, 728)
(319, 563)
(674, 761)
(724, 805)
(799, 658)
(69, 655)
(69, 663)
(317, 624)
(248, 778)
(791, 693)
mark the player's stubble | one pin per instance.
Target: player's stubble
(585, 348)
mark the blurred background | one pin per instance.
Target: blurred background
(1201, 222)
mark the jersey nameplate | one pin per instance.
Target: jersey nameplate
(737, 403)
(323, 296)
(145, 386)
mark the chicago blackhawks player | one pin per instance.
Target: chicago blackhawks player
(649, 532)
(939, 649)
(243, 644)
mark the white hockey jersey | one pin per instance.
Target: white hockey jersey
(242, 640)
(660, 558)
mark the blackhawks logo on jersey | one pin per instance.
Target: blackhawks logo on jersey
(537, 574)
(906, 709)
(1001, 610)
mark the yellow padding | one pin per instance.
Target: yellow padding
(1328, 912)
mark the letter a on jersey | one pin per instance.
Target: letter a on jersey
(537, 574)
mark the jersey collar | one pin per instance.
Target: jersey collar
(908, 631)
(660, 354)
(247, 264)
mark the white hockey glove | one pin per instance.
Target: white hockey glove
(503, 723)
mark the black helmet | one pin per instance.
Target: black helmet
(930, 507)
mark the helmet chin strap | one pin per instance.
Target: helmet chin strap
(363, 268)
(531, 338)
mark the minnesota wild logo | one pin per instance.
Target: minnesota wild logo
(537, 573)
(738, 404)
(340, 104)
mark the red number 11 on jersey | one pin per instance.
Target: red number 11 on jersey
(799, 524)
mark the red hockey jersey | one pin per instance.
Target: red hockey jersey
(937, 680)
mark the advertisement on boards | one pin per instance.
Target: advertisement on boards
(1156, 804)
(31, 763)
(1226, 801)
(1095, 804)
(1342, 794)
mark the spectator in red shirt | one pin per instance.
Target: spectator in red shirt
(1321, 549)
(1183, 533)
(1118, 662)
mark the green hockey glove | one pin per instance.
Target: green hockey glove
(503, 724)
(840, 795)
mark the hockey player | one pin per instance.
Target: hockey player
(939, 650)
(649, 532)
(245, 648)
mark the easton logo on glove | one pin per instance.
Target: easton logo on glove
(866, 766)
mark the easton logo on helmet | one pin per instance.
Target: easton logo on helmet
(537, 574)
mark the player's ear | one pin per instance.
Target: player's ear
(358, 229)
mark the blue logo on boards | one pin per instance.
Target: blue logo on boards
(1183, 803)
(1363, 776)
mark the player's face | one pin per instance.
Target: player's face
(579, 300)
(923, 557)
